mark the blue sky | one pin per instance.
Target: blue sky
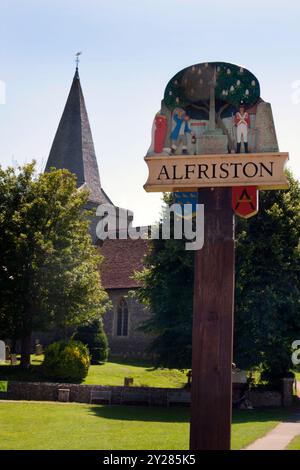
(130, 50)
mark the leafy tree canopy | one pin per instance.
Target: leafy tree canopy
(92, 334)
(267, 303)
(49, 268)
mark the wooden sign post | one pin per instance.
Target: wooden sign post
(227, 182)
(214, 277)
(213, 325)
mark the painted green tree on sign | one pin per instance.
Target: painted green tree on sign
(212, 87)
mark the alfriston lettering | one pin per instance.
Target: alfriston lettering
(269, 171)
(175, 177)
(202, 170)
(164, 172)
(224, 170)
(213, 167)
(248, 170)
(236, 166)
(189, 169)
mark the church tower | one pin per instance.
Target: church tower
(73, 147)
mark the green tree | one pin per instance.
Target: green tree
(167, 289)
(67, 360)
(267, 313)
(49, 269)
(92, 334)
(268, 282)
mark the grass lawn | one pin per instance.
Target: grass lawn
(113, 373)
(110, 373)
(294, 444)
(31, 425)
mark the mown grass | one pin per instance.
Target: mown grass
(31, 425)
(109, 373)
(113, 373)
(294, 444)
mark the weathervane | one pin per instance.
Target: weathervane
(77, 58)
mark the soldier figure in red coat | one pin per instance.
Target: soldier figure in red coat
(242, 122)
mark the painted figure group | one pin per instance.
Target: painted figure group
(181, 130)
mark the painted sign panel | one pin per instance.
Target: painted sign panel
(217, 99)
(264, 170)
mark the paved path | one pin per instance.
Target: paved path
(281, 435)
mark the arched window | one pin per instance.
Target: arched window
(122, 318)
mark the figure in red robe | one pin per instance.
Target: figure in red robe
(160, 132)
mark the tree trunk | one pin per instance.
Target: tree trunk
(212, 104)
(25, 351)
(13, 346)
(212, 108)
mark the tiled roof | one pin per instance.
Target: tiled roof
(121, 259)
(73, 146)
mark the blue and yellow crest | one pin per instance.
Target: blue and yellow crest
(184, 198)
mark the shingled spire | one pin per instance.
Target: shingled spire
(73, 146)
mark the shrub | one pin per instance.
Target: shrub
(93, 335)
(68, 360)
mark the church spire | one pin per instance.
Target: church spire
(73, 146)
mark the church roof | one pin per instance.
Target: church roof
(73, 146)
(122, 258)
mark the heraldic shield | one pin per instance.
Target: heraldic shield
(245, 201)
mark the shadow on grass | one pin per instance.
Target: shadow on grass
(142, 413)
(19, 374)
(178, 414)
(260, 415)
(32, 374)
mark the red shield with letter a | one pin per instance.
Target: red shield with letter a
(245, 201)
